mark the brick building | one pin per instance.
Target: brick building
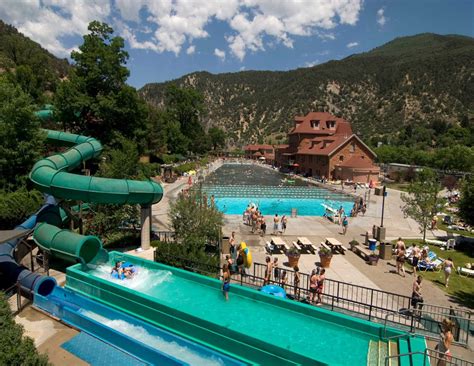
(322, 145)
(260, 152)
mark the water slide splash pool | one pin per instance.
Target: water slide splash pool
(256, 327)
(133, 336)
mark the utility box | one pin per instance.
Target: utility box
(225, 245)
(380, 233)
(378, 191)
(385, 251)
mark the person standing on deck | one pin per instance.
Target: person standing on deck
(284, 221)
(276, 221)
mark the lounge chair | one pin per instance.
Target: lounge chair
(434, 265)
(465, 271)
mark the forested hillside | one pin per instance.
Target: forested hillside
(32, 67)
(410, 81)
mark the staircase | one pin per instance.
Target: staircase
(378, 351)
(408, 351)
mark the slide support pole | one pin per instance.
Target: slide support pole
(145, 226)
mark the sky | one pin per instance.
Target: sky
(167, 39)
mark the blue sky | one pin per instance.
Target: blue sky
(170, 38)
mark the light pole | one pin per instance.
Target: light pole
(384, 193)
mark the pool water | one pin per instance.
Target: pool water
(303, 334)
(235, 186)
(280, 206)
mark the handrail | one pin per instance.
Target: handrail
(432, 353)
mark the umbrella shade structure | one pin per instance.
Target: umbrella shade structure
(296, 164)
(262, 157)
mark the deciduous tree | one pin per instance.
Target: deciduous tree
(422, 200)
(466, 202)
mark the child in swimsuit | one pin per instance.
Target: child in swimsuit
(226, 281)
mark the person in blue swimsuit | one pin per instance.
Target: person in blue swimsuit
(226, 280)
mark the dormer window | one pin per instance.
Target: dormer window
(331, 124)
(314, 124)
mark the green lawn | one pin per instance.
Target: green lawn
(461, 289)
(444, 227)
(398, 186)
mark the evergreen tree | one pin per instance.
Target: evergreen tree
(20, 136)
(97, 99)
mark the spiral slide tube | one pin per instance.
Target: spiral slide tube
(65, 244)
(51, 175)
(12, 272)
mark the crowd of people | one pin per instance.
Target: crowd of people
(254, 218)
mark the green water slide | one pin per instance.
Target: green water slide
(65, 244)
(52, 175)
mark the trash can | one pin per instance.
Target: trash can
(372, 244)
(225, 245)
(385, 251)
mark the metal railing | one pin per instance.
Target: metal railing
(374, 305)
(164, 236)
(205, 269)
(432, 357)
(371, 304)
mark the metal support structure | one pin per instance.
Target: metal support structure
(383, 203)
(145, 221)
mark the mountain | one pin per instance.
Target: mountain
(409, 80)
(36, 70)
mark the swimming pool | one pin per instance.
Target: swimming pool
(256, 328)
(234, 187)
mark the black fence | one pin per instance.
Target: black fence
(371, 304)
(375, 305)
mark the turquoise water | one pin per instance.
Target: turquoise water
(280, 206)
(235, 186)
(306, 335)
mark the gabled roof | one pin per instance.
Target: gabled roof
(303, 124)
(257, 147)
(327, 145)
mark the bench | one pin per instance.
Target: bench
(361, 251)
(315, 250)
(295, 244)
(324, 245)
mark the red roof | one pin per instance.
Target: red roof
(303, 124)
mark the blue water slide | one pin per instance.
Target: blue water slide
(144, 341)
(12, 272)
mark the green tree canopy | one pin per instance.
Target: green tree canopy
(422, 201)
(96, 100)
(20, 136)
(466, 203)
(186, 106)
(15, 349)
(194, 222)
(217, 137)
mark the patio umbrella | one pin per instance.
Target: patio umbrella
(262, 157)
(296, 164)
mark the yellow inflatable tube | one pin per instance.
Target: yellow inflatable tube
(245, 252)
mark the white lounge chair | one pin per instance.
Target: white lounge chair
(465, 271)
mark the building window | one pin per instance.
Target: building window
(330, 124)
(314, 124)
(341, 158)
(353, 147)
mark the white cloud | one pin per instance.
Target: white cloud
(219, 53)
(191, 49)
(168, 25)
(381, 19)
(352, 44)
(311, 63)
(42, 22)
(242, 68)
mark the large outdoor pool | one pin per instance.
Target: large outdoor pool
(235, 186)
